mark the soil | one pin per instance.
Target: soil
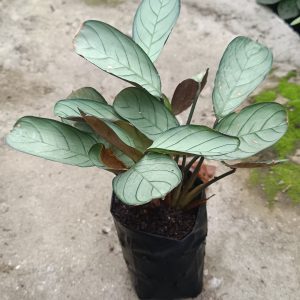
(161, 220)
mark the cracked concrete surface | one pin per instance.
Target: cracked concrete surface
(57, 239)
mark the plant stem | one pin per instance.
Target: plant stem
(182, 188)
(177, 191)
(193, 108)
(201, 86)
(188, 166)
(176, 194)
(194, 176)
(198, 203)
(183, 163)
(185, 191)
(194, 192)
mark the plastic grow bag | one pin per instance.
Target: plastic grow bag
(162, 267)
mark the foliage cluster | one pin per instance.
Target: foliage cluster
(138, 138)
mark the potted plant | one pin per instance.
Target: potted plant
(158, 201)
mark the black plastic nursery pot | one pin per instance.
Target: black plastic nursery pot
(162, 267)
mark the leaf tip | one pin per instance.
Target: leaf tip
(77, 34)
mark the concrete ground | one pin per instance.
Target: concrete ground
(57, 239)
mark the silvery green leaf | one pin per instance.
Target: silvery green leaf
(258, 127)
(94, 155)
(122, 134)
(153, 23)
(145, 112)
(70, 108)
(52, 140)
(153, 177)
(79, 124)
(114, 52)
(132, 138)
(243, 67)
(288, 9)
(114, 135)
(82, 126)
(194, 140)
(140, 141)
(87, 93)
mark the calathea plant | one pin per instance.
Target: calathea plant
(140, 140)
(138, 137)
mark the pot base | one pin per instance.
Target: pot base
(162, 267)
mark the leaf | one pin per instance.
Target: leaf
(51, 140)
(87, 93)
(144, 111)
(117, 54)
(111, 161)
(194, 140)
(153, 23)
(105, 158)
(243, 67)
(139, 140)
(78, 123)
(127, 133)
(167, 103)
(152, 177)
(184, 95)
(100, 162)
(258, 127)
(187, 91)
(130, 136)
(267, 2)
(70, 108)
(296, 22)
(101, 128)
(288, 9)
(257, 164)
(128, 162)
(94, 155)
(298, 4)
(201, 78)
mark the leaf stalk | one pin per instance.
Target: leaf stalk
(197, 190)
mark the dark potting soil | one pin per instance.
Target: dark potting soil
(161, 220)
